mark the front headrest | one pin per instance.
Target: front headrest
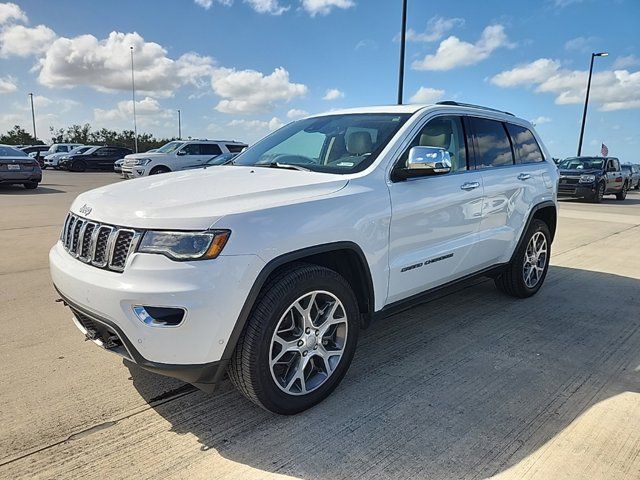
(359, 143)
(436, 135)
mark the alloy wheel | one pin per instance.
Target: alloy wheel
(308, 342)
(535, 259)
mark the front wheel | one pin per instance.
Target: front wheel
(599, 193)
(159, 170)
(298, 342)
(78, 166)
(526, 272)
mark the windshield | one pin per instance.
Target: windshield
(626, 168)
(332, 144)
(11, 152)
(79, 150)
(581, 164)
(169, 147)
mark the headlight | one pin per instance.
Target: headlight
(185, 245)
(587, 178)
(143, 161)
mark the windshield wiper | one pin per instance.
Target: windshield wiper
(289, 166)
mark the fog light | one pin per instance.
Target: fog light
(159, 316)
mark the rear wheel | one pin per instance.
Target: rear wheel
(159, 170)
(525, 274)
(299, 340)
(30, 185)
(78, 166)
(623, 193)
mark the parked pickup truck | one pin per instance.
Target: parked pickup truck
(592, 178)
(268, 267)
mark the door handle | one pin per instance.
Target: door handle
(469, 185)
(524, 176)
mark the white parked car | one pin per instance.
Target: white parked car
(58, 150)
(268, 268)
(177, 155)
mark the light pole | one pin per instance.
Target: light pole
(403, 39)
(179, 127)
(133, 96)
(586, 99)
(33, 118)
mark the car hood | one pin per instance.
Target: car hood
(144, 155)
(577, 173)
(197, 199)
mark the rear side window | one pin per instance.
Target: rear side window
(493, 148)
(524, 143)
(210, 149)
(235, 148)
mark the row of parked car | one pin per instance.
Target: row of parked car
(592, 178)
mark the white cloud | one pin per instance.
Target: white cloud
(626, 62)
(206, 4)
(333, 94)
(24, 41)
(11, 11)
(436, 28)
(101, 64)
(296, 113)
(249, 91)
(245, 130)
(324, 7)
(565, 3)
(454, 52)
(427, 95)
(272, 7)
(613, 90)
(580, 44)
(534, 72)
(541, 120)
(148, 112)
(8, 84)
(270, 125)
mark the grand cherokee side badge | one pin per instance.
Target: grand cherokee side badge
(85, 209)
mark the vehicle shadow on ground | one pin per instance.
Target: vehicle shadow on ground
(466, 386)
(20, 190)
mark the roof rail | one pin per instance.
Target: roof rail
(471, 105)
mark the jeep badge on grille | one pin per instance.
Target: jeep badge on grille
(85, 209)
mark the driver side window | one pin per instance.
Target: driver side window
(442, 132)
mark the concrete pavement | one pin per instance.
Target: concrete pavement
(471, 385)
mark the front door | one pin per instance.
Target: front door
(434, 219)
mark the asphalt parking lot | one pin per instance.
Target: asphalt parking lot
(472, 385)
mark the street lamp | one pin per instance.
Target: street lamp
(133, 96)
(403, 39)
(586, 100)
(179, 126)
(33, 117)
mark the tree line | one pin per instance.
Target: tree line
(86, 135)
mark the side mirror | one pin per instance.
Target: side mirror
(180, 153)
(424, 161)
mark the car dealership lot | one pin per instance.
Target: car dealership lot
(471, 385)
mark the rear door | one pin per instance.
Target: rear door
(512, 169)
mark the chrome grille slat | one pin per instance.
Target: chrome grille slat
(100, 245)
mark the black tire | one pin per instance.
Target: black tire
(512, 281)
(31, 185)
(78, 166)
(600, 189)
(249, 369)
(623, 193)
(159, 170)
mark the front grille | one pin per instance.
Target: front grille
(569, 180)
(97, 244)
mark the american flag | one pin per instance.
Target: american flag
(604, 150)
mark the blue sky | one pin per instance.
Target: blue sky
(240, 68)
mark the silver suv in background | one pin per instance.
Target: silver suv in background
(177, 155)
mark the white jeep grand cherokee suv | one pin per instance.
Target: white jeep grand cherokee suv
(268, 268)
(177, 155)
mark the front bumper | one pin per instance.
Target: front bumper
(134, 171)
(578, 190)
(212, 292)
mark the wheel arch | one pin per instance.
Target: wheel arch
(160, 166)
(545, 211)
(347, 258)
